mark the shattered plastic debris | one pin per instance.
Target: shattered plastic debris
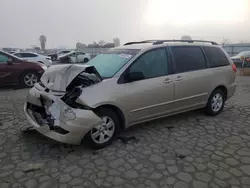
(170, 127)
(180, 156)
(33, 167)
(125, 140)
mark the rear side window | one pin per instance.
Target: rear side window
(216, 56)
(188, 58)
(28, 55)
(18, 54)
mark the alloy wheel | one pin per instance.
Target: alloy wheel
(217, 102)
(30, 79)
(103, 132)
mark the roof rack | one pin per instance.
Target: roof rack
(189, 41)
(155, 42)
(141, 42)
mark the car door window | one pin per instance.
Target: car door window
(18, 54)
(188, 58)
(25, 55)
(152, 63)
(3, 59)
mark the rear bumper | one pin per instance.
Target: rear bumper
(73, 123)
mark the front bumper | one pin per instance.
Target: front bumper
(68, 126)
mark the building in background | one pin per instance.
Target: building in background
(234, 49)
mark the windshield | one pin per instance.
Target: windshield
(245, 53)
(109, 63)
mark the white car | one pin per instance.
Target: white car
(76, 57)
(30, 56)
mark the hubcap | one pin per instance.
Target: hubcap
(103, 132)
(30, 79)
(217, 102)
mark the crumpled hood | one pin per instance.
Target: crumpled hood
(58, 77)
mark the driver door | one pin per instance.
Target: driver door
(153, 96)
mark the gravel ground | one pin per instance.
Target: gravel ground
(186, 150)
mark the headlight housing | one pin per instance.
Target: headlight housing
(44, 67)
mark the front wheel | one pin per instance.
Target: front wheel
(104, 133)
(216, 102)
(28, 79)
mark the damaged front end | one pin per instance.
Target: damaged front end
(52, 106)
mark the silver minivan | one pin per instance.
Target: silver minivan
(134, 83)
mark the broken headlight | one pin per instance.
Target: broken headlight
(69, 114)
(70, 99)
(74, 90)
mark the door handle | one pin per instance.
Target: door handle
(179, 78)
(167, 81)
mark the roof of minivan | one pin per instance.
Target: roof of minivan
(150, 45)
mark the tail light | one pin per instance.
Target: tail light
(234, 67)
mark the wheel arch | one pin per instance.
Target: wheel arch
(115, 109)
(223, 88)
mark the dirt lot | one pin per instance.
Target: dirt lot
(186, 150)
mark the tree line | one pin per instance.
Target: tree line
(100, 44)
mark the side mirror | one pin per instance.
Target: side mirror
(134, 76)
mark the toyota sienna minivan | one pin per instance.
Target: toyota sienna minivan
(134, 83)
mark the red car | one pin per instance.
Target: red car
(14, 71)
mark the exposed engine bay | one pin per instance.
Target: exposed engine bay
(74, 89)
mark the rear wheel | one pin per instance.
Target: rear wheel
(28, 79)
(54, 57)
(104, 133)
(216, 102)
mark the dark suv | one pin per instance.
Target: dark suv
(14, 71)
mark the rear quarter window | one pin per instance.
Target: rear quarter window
(216, 56)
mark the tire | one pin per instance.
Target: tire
(85, 60)
(95, 133)
(54, 57)
(25, 77)
(218, 98)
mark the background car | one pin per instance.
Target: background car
(12, 52)
(237, 59)
(74, 57)
(34, 57)
(15, 71)
(54, 56)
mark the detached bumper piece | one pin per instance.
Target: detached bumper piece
(43, 118)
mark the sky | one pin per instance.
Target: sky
(66, 22)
